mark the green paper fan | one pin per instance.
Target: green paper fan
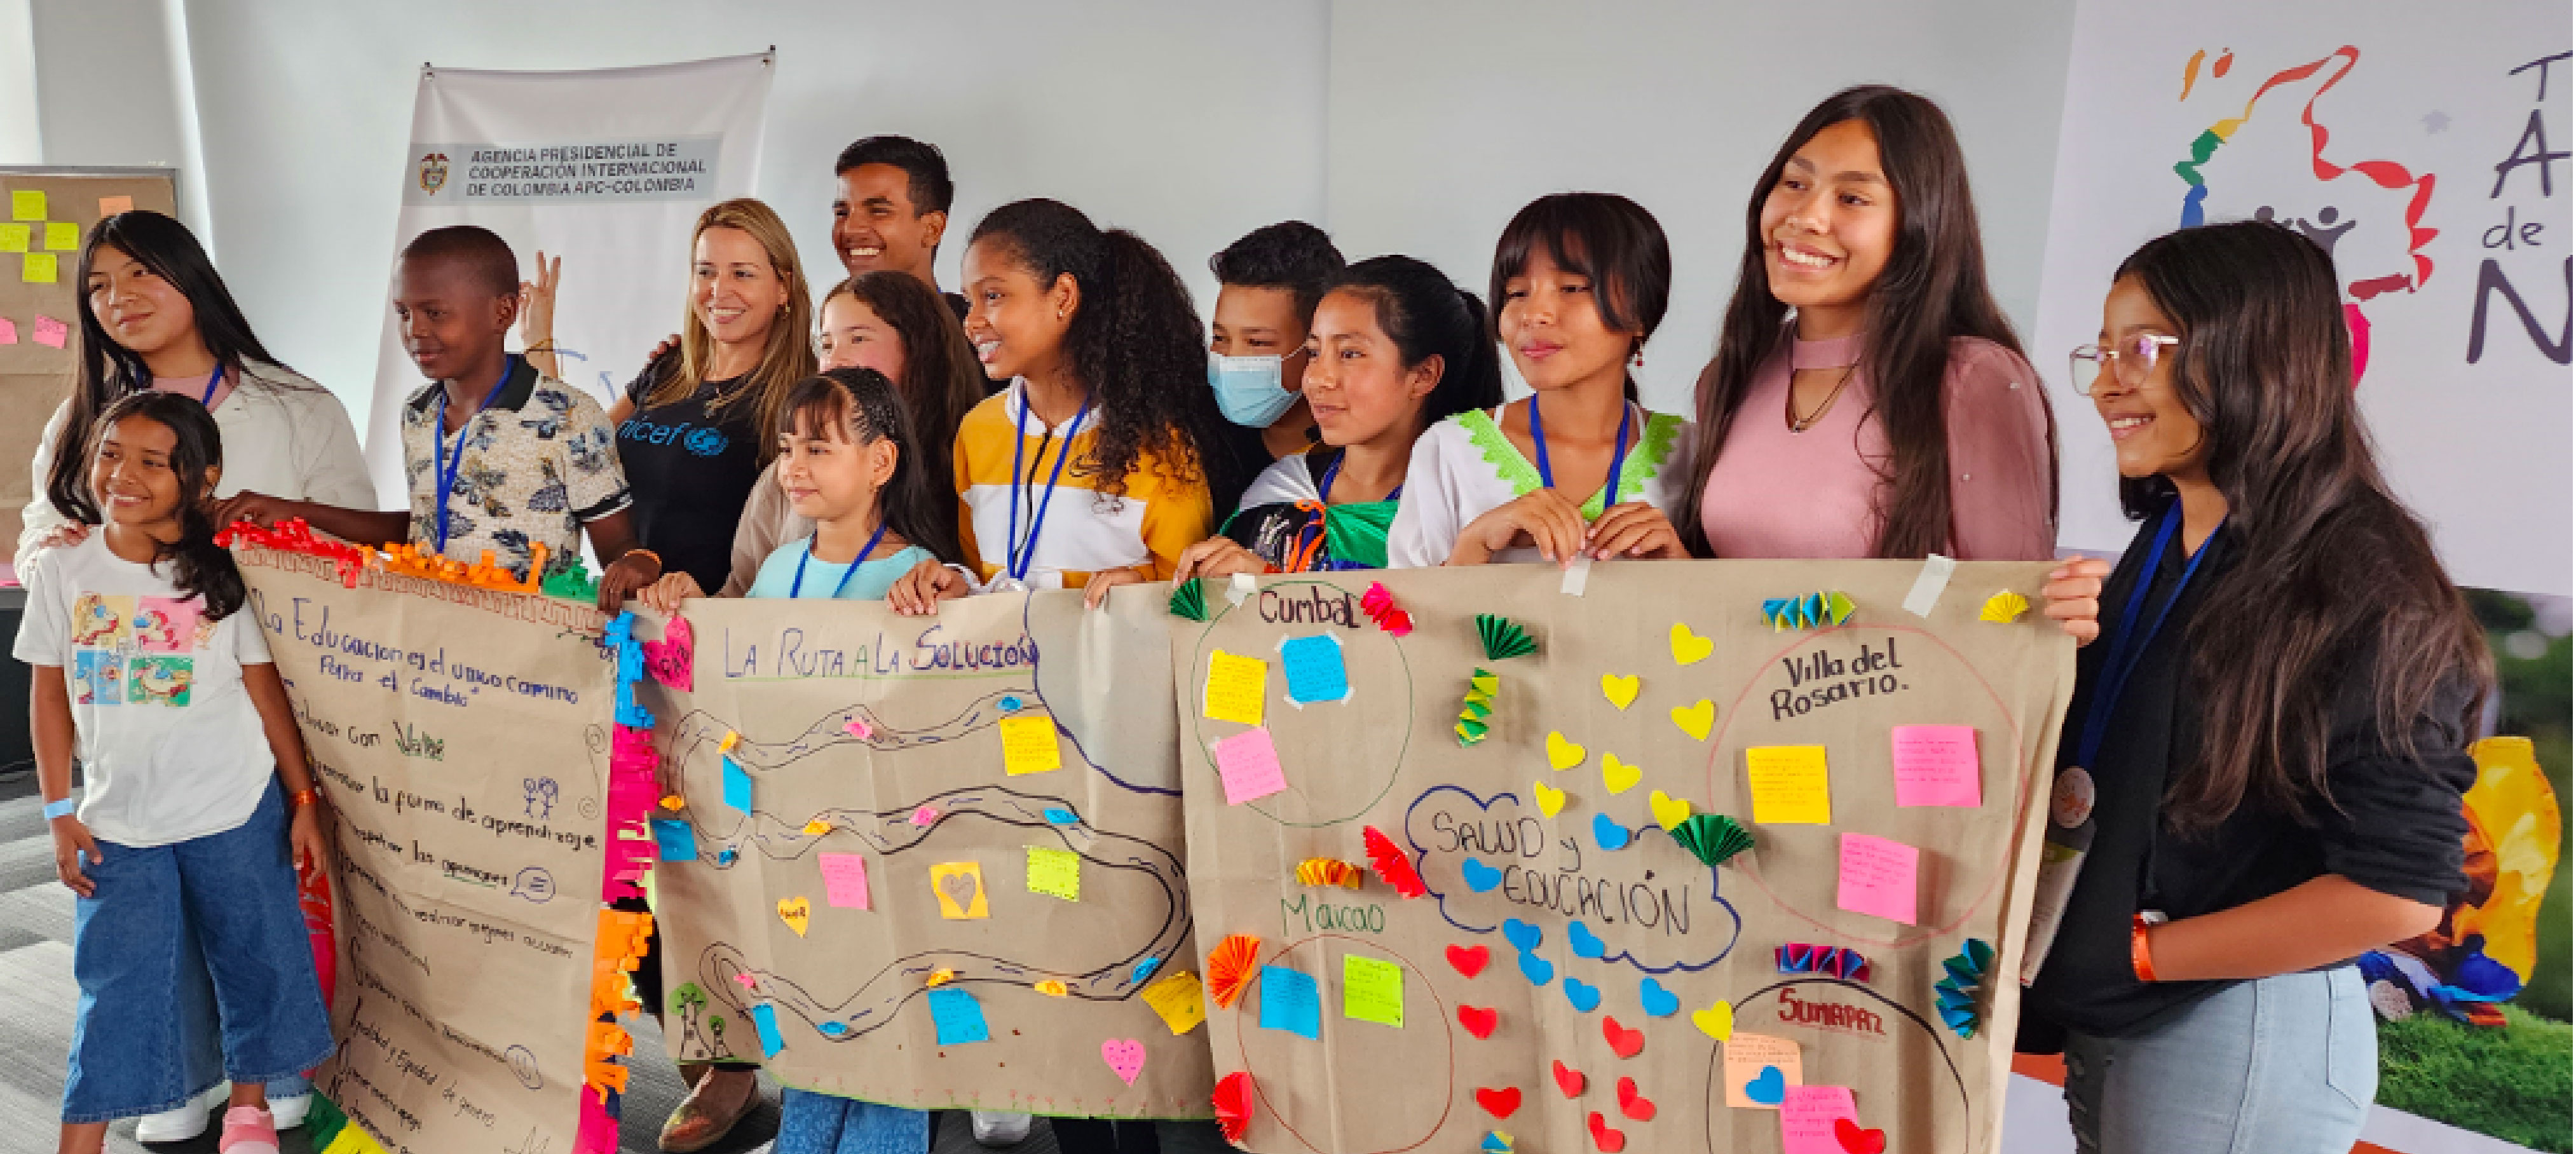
(1188, 602)
(1503, 639)
(1712, 837)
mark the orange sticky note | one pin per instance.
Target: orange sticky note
(1759, 1070)
(111, 205)
(1789, 785)
(960, 886)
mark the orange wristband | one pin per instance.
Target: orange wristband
(305, 797)
(2140, 960)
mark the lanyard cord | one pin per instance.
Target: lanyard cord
(446, 469)
(1020, 555)
(798, 588)
(212, 383)
(1618, 453)
(2129, 647)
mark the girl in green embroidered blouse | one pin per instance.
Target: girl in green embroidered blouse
(1581, 281)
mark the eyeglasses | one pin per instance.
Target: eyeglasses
(2131, 361)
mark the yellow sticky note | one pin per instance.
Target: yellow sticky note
(1056, 873)
(1236, 687)
(1373, 990)
(27, 204)
(960, 886)
(39, 268)
(62, 236)
(17, 237)
(1028, 745)
(1789, 784)
(111, 205)
(1178, 998)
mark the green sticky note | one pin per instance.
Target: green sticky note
(1055, 873)
(39, 268)
(27, 204)
(1372, 990)
(17, 237)
(62, 236)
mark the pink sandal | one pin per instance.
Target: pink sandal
(248, 1130)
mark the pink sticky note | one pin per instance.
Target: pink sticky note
(51, 333)
(1878, 877)
(1249, 765)
(8, 331)
(1807, 1115)
(1936, 765)
(845, 879)
(111, 205)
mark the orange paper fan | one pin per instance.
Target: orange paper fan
(1229, 968)
(1325, 871)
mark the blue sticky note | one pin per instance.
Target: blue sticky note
(1314, 669)
(766, 1020)
(1289, 1001)
(678, 841)
(959, 1017)
(737, 786)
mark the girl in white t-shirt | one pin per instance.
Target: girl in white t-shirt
(143, 659)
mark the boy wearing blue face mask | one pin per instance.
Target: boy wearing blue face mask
(1267, 286)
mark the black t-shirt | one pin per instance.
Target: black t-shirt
(2398, 830)
(691, 472)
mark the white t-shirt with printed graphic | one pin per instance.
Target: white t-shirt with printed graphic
(170, 744)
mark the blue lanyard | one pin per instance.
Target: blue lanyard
(445, 468)
(1019, 555)
(212, 383)
(798, 589)
(1618, 454)
(2128, 646)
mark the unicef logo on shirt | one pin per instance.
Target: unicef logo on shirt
(705, 442)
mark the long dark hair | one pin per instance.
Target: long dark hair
(1135, 342)
(1605, 237)
(1933, 291)
(2330, 566)
(1426, 316)
(106, 370)
(863, 404)
(198, 566)
(941, 379)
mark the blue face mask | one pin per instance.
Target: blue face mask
(1248, 391)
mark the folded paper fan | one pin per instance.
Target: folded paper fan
(1832, 962)
(1503, 638)
(2005, 607)
(1390, 863)
(1955, 995)
(1188, 601)
(1817, 610)
(1380, 606)
(1230, 968)
(1712, 837)
(1233, 1100)
(1326, 871)
(1475, 713)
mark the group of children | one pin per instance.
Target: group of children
(2277, 739)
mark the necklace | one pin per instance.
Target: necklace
(1798, 424)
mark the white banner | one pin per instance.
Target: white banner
(2425, 149)
(606, 169)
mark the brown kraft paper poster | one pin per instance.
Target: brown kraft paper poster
(461, 737)
(1045, 906)
(1568, 976)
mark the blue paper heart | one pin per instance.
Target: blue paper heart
(1480, 877)
(1767, 1087)
(1586, 998)
(1581, 941)
(1143, 969)
(1058, 815)
(1657, 1000)
(1610, 834)
(1538, 970)
(1521, 934)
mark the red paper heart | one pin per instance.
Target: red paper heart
(1609, 1141)
(1500, 1103)
(1234, 1104)
(1569, 1080)
(1623, 1042)
(1468, 960)
(1478, 1021)
(1636, 1105)
(1856, 1140)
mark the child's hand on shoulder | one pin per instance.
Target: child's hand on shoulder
(1540, 516)
(1635, 529)
(305, 843)
(634, 570)
(71, 840)
(666, 594)
(919, 592)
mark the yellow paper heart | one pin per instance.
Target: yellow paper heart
(1669, 811)
(1619, 776)
(1717, 1021)
(1689, 647)
(796, 912)
(1550, 798)
(1695, 719)
(1562, 754)
(1622, 691)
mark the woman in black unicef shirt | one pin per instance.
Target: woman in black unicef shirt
(2264, 758)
